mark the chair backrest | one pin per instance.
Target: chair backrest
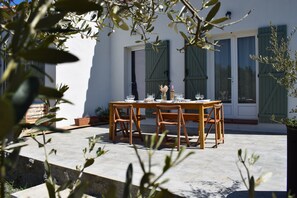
(122, 111)
(216, 113)
(162, 110)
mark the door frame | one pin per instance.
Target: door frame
(128, 67)
(234, 110)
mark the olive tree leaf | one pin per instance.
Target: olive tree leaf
(119, 22)
(220, 20)
(24, 96)
(49, 55)
(78, 6)
(164, 193)
(50, 189)
(144, 181)
(65, 185)
(167, 164)
(50, 93)
(184, 36)
(61, 30)
(210, 3)
(49, 128)
(4, 13)
(50, 21)
(128, 182)
(6, 117)
(12, 65)
(78, 190)
(89, 162)
(214, 10)
(47, 119)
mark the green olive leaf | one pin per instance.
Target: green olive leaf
(49, 55)
(6, 117)
(214, 10)
(24, 96)
(78, 6)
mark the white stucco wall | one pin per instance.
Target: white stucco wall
(88, 79)
(101, 74)
(263, 13)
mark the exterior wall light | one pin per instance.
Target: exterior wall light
(228, 14)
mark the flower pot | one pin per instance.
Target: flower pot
(94, 120)
(82, 121)
(291, 160)
(164, 96)
(104, 119)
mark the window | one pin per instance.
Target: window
(246, 70)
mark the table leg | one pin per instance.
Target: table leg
(138, 116)
(219, 129)
(201, 129)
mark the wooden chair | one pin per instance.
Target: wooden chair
(125, 121)
(174, 119)
(216, 118)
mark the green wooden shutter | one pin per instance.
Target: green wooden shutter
(272, 96)
(195, 72)
(157, 68)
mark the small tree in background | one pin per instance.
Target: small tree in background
(283, 60)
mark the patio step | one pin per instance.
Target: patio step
(39, 191)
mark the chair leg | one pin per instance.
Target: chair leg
(157, 133)
(209, 129)
(124, 129)
(139, 132)
(223, 132)
(216, 135)
(114, 130)
(205, 136)
(178, 138)
(186, 135)
(130, 133)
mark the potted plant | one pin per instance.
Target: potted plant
(84, 121)
(285, 60)
(102, 114)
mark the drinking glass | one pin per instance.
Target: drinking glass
(179, 97)
(130, 97)
(198, 96)
(151, 97)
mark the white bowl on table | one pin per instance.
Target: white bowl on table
(204, 100)
(129, 100)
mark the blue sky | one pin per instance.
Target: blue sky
(18, 1)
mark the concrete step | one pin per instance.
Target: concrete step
(40, 191)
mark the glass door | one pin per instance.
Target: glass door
(246, 70)
(223, 77)
(235, 77)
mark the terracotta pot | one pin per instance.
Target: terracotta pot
(86, 121)
(82, 121)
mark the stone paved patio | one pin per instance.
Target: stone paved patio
(211, 172)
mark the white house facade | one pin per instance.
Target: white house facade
(117, 66)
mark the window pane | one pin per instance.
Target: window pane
(223, 71)
(246, 70)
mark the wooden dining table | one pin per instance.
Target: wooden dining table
(198, 105)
